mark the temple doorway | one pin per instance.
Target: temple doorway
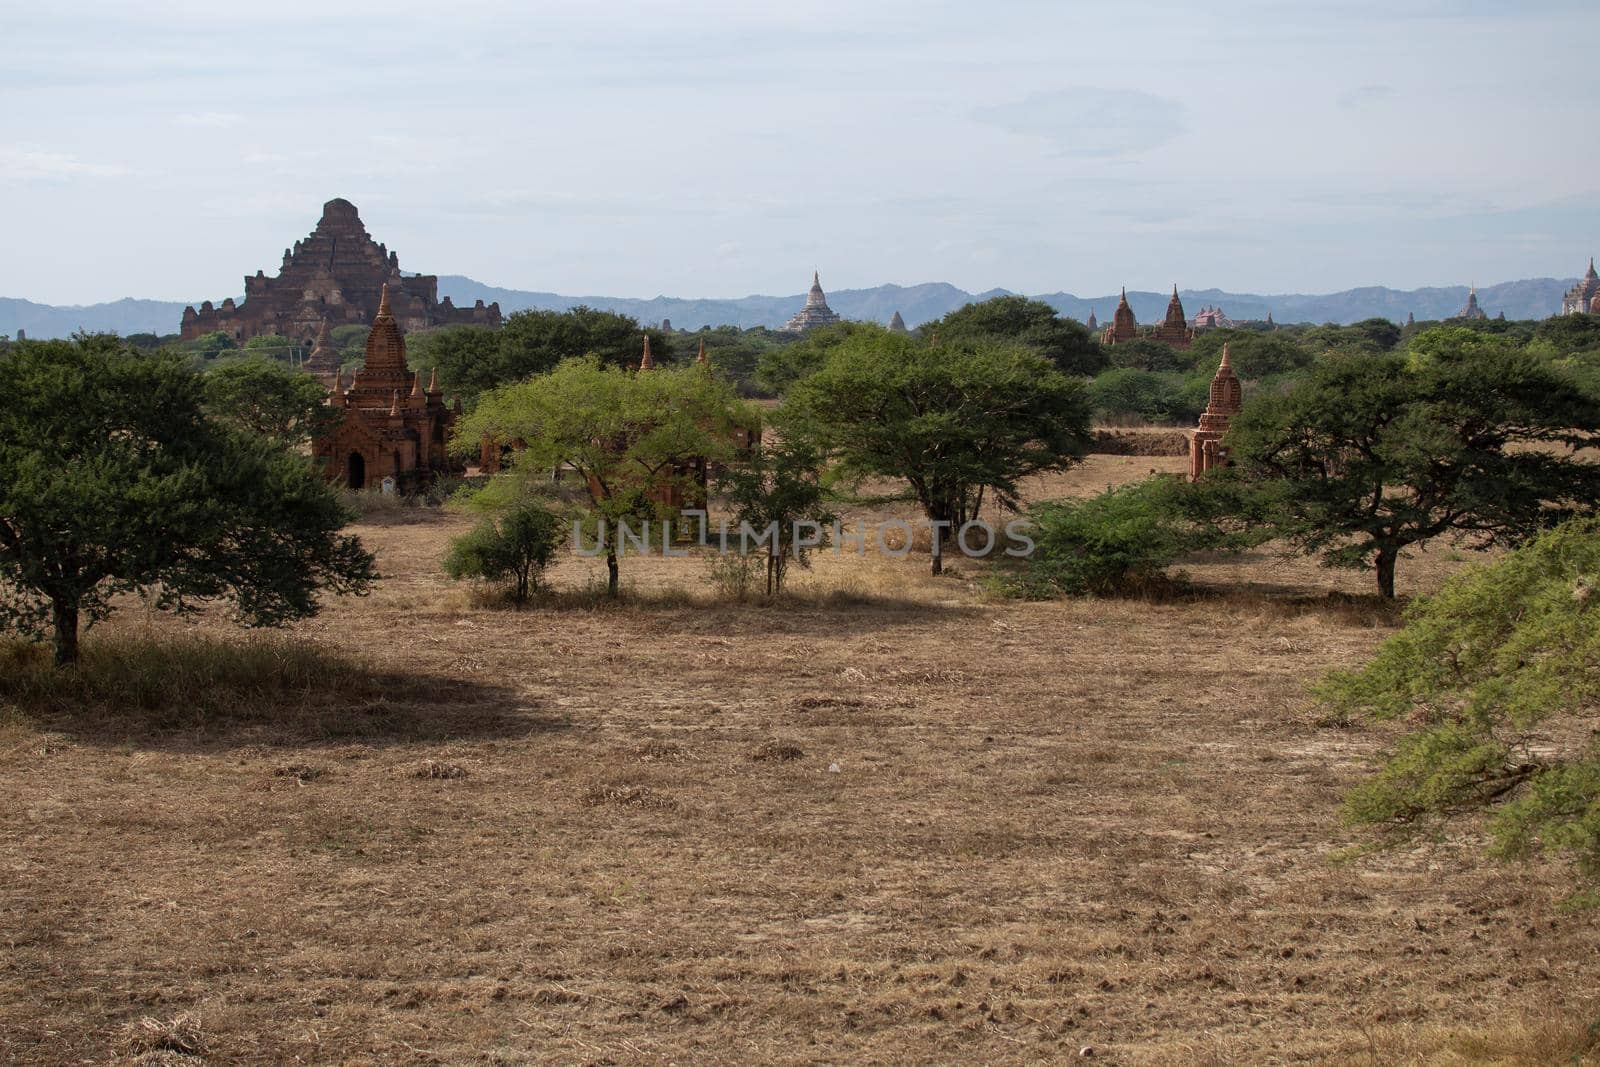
(356, 472)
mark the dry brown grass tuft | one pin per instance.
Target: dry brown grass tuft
(152, 1041)
(629, 796)
(777, 752)
(439, 770)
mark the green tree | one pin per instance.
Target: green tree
(625, 435)
(210, 345)
(265, 397)
(1254, 356)
(533, 342)
(514, 548)
(955, 421)
(113, 480)
(1374, 453)
(271, 346)
(781, 365)
(1143, 353)
(1499, 676)
(1033, 323)
(1127, 391)
(466, 357)
(780, 487)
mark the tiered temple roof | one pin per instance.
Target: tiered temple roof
(1472, 310)
(1174, 329)
(333, 276)
(1225, 401)
(1581, 297)
(815, 313)
(1124, 327)
(391, 426)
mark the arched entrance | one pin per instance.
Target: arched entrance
(355, 475)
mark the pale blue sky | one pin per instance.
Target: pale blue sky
(723, 148)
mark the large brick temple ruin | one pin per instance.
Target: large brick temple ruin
(390, 426)
(334, 276)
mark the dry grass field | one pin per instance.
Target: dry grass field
(889, 820)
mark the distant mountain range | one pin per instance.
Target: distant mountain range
(1533, 298)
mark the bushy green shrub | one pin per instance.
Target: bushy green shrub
(1500, 672)
(513, 549)
(1121, 541)
(1155, 396)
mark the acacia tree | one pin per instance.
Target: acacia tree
(1374, 453)
(268, 398)
(472, 360)
(1498, 675)
(780, 487)
(626, 435)
(113, 480)
(1031, 323)
(956, 421)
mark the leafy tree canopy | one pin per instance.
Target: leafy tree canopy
(533, 342)
(1500, 674)
(954, 420)
(1371, 454)
(113, 480)
(625, 434)
(1032, 323)
(263, 396)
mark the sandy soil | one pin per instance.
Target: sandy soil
(892, 820)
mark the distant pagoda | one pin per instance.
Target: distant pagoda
(1472, 310)
(1581, 297)
(815, 313)
(897, 324)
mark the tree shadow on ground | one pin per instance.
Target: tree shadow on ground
(193, 692)
(677, 612)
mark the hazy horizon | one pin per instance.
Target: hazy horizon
(716, 151)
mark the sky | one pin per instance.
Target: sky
(717, 148)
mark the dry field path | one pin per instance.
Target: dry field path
(1052, 825)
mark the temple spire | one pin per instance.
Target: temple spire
(701, 358)
(647, 361)
(1226, 362)
(383, 304)
(416, 384)
(433, 380)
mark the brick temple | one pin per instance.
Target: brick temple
(1226, 401)
(334, 276)
(1173, 330)
(390, 425)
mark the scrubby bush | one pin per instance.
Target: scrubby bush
(1122, 541)
(1149, 395)
(513, 549)
(1498, 672)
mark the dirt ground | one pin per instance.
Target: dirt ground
(892, 820)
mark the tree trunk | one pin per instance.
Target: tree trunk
(1386, 562)
(611, 574)
(66, 621)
